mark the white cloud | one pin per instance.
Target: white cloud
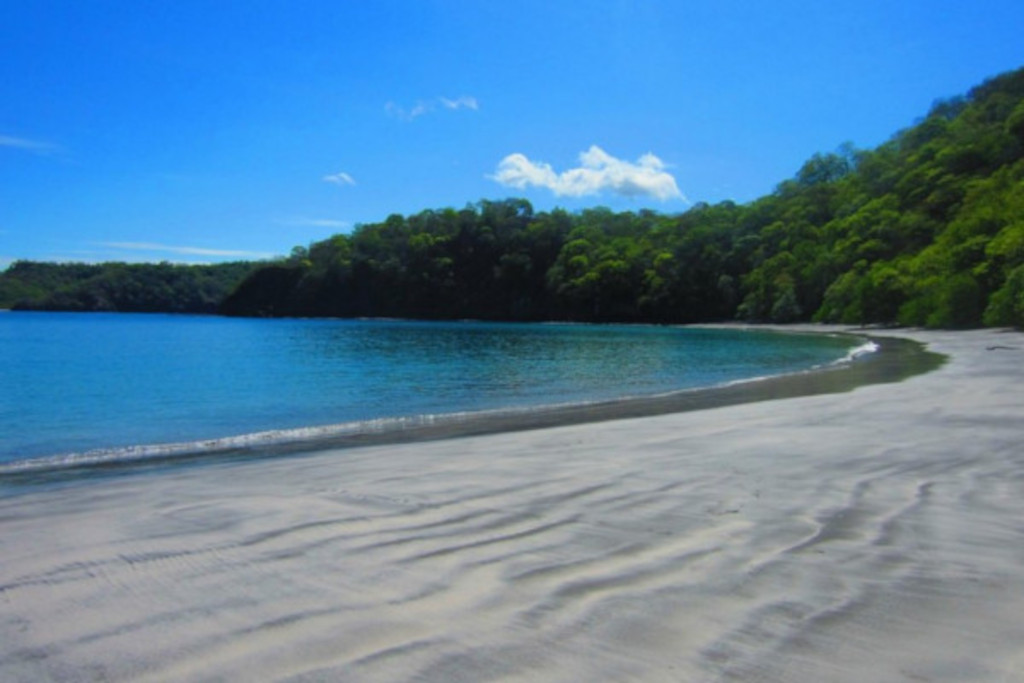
(427, 106)
(598, 172)
(24, 144)
(340, 178)
(189, 251)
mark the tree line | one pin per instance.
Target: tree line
(124, 287)
(927, 229)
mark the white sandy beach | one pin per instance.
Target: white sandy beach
(875, 535)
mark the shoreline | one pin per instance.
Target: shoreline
(872, 534)
(894, 360)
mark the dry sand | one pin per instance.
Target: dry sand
(875, 535)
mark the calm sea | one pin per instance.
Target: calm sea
(110, 386)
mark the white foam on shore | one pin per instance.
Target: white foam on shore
(314, 437)
(864, 349)
(263, 439)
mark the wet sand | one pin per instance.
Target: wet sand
(876, 534)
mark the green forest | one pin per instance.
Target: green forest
(925, 230)
(123, 287)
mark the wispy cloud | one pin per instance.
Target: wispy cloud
(598, 172)
(186, 251)
(419, 109)
(428, 106)
(303, 222)
(463, 102)
(340, 178)
(26, 145)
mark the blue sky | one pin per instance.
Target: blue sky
(201, 131)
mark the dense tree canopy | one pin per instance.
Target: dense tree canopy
(142, 287)
(927, 229)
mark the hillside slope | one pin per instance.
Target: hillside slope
(927, 229)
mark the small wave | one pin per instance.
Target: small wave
(220, 445)
(864, 349)
(272, 441)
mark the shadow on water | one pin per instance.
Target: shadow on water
(895, 360)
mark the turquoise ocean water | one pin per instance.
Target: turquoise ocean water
(84, 387)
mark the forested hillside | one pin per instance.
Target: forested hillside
(927, 229)
(144, 287)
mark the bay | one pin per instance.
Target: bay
(75, 384)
